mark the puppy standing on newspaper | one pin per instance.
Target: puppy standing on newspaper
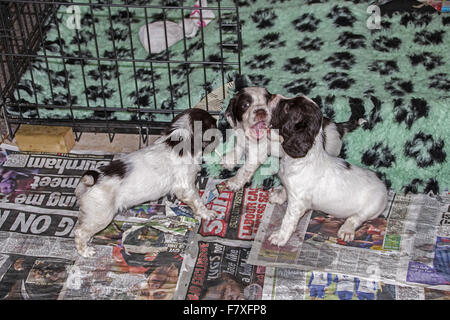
(312, 179)
(169, 165)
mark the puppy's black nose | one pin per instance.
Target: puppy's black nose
(260, 114)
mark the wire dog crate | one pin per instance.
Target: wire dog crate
(90, 64)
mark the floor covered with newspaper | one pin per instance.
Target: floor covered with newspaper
(159, 251)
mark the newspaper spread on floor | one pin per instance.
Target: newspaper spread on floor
(296, 284)
(43, 180)
(217, 269)
(157, 250)
(139, 256)
(409, 245)
(238, 214)
(215, 265)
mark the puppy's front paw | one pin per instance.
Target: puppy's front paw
(278, 196)
(361, 121)
(346, 233)
(206, 214)
(279, 238)
(234, 184)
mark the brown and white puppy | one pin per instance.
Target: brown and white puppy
(313, 179)
(250, 113)
(168, 166)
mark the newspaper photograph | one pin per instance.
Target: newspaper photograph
(145, 256)
(118, 275)
(217, 269)
(238, 214)
(295, 284)
(137, 261)
(24, 277)
(408, 245)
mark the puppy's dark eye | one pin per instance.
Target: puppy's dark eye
(246, 105)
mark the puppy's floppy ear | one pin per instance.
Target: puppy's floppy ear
(297, 146)
(280, 109)
(231, 112)
(301, 127)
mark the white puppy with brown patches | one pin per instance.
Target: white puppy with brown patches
(168, 166)
(312, 179)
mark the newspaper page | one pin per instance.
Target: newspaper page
(238, 214)
(408, 245)
(48, 181)
(139, 255)
(43, 180)
(128, 255)
(217, 269)
(296, 284)
(168, 205)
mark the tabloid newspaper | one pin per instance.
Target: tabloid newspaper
(217, 269)
(238, 214)
(43, 180)
(295, 284)
(409, 245)
(215, 265)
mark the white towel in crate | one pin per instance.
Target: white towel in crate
(155, 30)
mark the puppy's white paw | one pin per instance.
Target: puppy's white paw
(279, 238)
(361, 121)
(278, 197)
(206, 214)
(346, 233)
(87, 252)
(233, 184)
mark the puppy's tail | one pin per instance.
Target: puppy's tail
(88, 179)
(349, 126)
